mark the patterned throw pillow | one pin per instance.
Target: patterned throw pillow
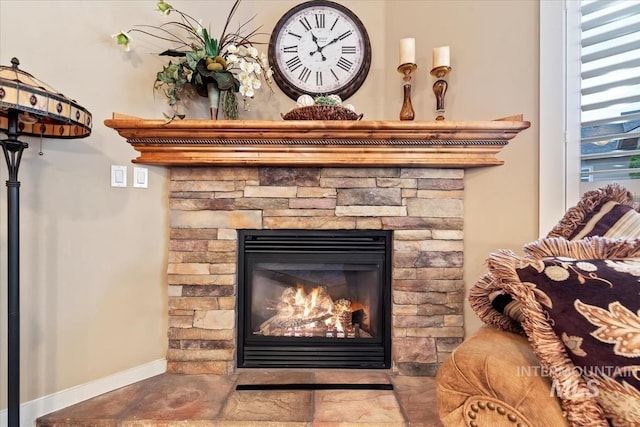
(607, 211)
(580, 303)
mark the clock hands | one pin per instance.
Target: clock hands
(318, 48)
(331, 42)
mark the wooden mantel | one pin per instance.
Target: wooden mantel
(453, 144)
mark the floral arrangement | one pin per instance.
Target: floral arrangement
(203, 65)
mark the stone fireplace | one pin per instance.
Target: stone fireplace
(423, 207)
(405, 177)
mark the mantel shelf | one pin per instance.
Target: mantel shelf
(444, 144)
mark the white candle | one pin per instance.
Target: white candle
(441, 57)
(407, 51)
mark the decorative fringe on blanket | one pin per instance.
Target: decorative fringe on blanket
(480, 301)
(594, 247)
(590, 201)
(580, 408)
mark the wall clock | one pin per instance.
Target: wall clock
(318, 48)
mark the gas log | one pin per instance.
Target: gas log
(311, 314)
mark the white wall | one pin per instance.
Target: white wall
(94, 257)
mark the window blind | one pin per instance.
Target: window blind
(610, 90)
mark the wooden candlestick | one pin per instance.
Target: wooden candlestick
(407, 70)
(440, 88)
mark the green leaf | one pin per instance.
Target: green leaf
(172, 52)
(225, 80)
(169, 119)
(193, 58)
(201, 68)
(210, 45)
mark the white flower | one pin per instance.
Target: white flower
(164, 7)
(246, 66)
(124, 39)
(252, 52)
(232, 48)
(257, 69)
(232, 59)
(246, 90)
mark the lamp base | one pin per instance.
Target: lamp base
(12, 149)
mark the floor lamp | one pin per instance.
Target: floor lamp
(27, 107)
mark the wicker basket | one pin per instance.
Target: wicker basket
(321, 112)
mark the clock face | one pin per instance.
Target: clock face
(319, 48)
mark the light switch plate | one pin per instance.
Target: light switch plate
(140, 177)
(118, 176)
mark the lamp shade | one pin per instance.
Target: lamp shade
(43, 110)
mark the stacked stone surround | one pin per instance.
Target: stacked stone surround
(423, 206)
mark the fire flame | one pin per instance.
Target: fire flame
(305, 310)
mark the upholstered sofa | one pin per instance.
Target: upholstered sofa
(561, 344)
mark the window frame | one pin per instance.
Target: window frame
(559, 115)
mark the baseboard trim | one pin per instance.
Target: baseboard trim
(30, 411)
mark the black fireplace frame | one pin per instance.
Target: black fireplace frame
(301, 352)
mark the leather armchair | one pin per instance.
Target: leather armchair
(494, 379)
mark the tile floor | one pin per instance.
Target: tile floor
(169, 400)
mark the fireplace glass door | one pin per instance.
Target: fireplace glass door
(314, 298)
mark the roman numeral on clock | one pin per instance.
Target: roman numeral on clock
(291, 49)
(344, 35)
(348, 50)
(345, 64)
(295, 35)
(320, 20)
(318, 78)
(304, 74)
(294, 63)
(305, 23)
